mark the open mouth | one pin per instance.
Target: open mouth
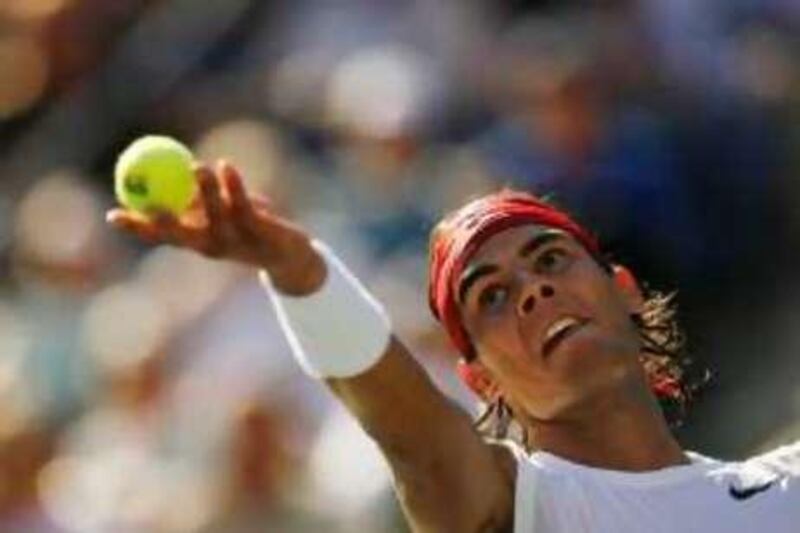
(560, 330)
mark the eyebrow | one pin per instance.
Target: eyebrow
(537, 241)
(473, 273)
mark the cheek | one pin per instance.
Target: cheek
(500, 335)
(605, 301)
(611, 333)
(499, 343)
(597, 352)
(609, 346)
(618, 320)
(518, 374)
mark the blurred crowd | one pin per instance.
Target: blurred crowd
(149, 389)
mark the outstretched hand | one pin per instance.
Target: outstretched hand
(224, 222)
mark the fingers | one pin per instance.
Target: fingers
(214, 207)
(174, 232)
(237, 196)
(160, 228)
(242, 207)
(134, 223)
(224, 221)
(210, 195)
(261, 204)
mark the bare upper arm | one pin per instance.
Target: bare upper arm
(472, 490)
(447, 477)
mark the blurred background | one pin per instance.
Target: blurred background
(149, 389)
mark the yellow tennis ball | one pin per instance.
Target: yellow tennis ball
(155, 174)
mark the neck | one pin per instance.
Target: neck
(625, 431)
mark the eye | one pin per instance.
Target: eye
(552, 261)
(492, 298)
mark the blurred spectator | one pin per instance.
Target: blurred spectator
(382, 171)
(25, 447)
(259, 466)
(60, 256)
(561, 134)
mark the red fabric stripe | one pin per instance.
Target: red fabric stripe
(463, 233)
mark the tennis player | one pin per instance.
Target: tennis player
(579, 369)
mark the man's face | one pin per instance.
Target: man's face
(551, 327)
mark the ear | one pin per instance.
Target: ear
(477, 378)
(627, 284)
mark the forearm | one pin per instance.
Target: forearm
(396, 403)
(446, 477)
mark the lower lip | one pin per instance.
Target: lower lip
(570, 333)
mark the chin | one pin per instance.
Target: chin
(593, 366)
(586, 396)
(593, 350)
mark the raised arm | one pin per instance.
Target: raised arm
(447, 478)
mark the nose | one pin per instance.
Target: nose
(530, 293)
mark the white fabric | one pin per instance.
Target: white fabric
(340, 330)
(557, 496)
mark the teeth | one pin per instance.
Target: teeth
(559, 326)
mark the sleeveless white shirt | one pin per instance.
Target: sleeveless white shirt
(760, 495)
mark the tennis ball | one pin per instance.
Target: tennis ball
(155, 174)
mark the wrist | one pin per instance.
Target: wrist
(301, 277)
(338, 331)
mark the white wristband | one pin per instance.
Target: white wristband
(340, 330)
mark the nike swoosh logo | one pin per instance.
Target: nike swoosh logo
(746, 493)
